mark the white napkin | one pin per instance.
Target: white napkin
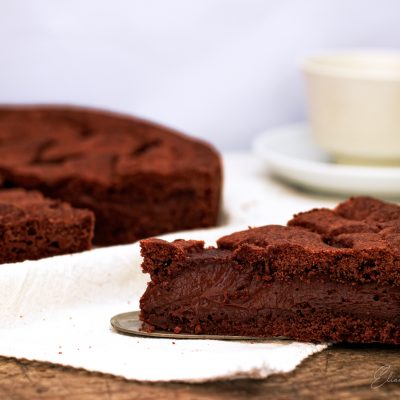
(58, 309)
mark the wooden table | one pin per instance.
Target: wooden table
(340, 372)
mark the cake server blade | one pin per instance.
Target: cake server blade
(130, 324)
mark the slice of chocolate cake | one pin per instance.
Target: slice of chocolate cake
(330, 275)
(33, 227)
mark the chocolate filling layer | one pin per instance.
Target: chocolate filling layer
(209, 295)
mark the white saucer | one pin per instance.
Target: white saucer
(291, 154)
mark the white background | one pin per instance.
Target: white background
(219, 69)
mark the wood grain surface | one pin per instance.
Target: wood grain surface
(340, 372)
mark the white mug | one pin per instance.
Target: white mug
(354, 105)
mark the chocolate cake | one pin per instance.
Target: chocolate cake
(33, 227)
(330, 275)
(140, 179)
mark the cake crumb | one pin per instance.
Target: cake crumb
(177, 329)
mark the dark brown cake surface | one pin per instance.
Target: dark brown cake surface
(33, 227)
(330, 275)
(139, 178)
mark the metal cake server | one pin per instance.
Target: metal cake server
(130, 324)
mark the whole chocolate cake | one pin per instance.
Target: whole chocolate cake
(330, 275)
(140, 179)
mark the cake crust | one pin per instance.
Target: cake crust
(330, 275)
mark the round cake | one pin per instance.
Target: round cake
(139, 178)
